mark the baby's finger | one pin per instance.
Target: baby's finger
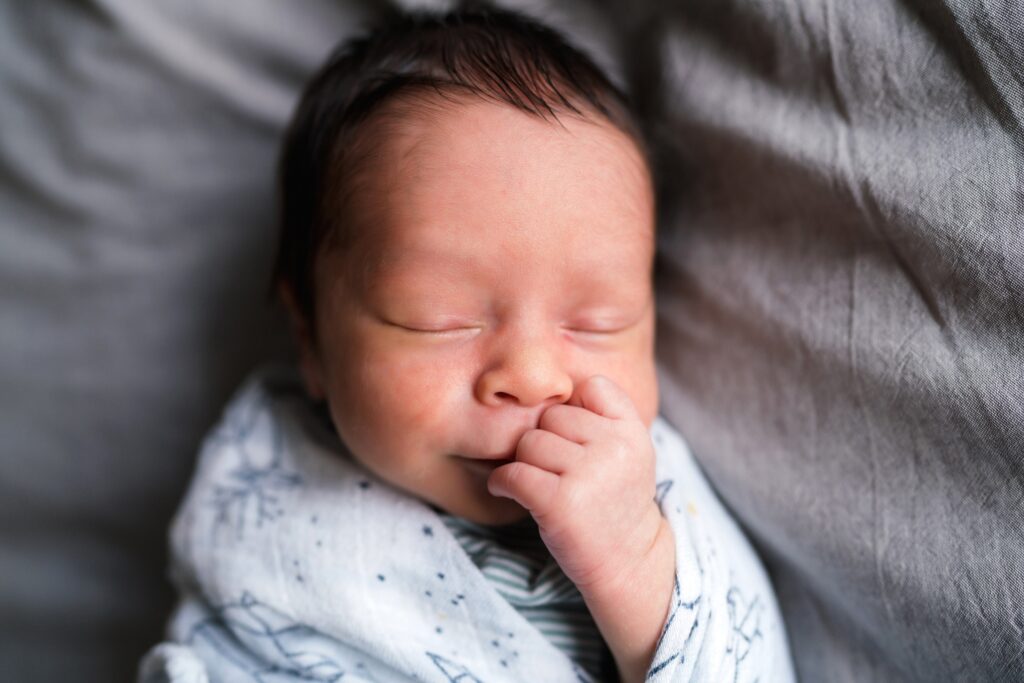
(531, 487)
(547, 450)
(604, 397)
(575, 423)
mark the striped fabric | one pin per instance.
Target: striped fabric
(519, 566)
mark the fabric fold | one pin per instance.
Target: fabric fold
(296, 563)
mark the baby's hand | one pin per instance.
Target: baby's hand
(587, 476)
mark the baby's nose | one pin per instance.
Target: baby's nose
(527, 374)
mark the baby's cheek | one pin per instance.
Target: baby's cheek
(643, 376)
(413, 395)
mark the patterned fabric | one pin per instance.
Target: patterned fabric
(517, 563)
(296, 564)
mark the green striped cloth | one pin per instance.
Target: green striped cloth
(516, 562)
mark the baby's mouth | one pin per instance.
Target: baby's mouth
(483, 465)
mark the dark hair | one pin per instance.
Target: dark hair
(494, 54)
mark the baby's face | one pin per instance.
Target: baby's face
(503, 260)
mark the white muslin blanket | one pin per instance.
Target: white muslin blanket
(294, 563)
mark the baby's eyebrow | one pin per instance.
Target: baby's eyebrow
(418, 269)
(425, 247)
(430, 263)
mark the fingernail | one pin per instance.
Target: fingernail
(495, 491)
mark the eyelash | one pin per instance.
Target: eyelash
(452, 330)
(579, 330)
(446, 330)
(596, 329)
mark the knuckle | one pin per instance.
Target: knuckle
(511, 477)
(529, 441)
(549, 416)
(621, 448)
(554, 416)
(591, 387)
(548, 497)
(513, 473)
(574, 501)
(601, 384)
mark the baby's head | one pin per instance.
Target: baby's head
(467, 235)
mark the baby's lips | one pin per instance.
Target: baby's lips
(506, 451)
(504, 458)
(485, 466)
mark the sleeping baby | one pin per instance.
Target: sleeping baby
(467, 479)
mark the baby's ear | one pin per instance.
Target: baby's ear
(302, 333)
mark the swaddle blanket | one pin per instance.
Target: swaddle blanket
(296, 564)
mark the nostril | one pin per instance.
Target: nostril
(505, 396)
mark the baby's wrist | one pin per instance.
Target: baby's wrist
(630, 608)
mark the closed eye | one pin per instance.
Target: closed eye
(423, 329)
(597, 330)
(601, 326)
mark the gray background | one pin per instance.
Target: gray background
(840, 294)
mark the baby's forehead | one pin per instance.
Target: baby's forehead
(456, 150)
(477, 191)
(419, 120)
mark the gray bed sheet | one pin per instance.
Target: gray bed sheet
(841, 269)
(842, 317)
